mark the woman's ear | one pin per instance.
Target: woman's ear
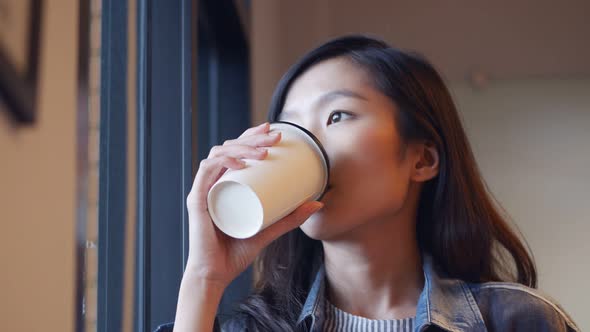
(426, 167)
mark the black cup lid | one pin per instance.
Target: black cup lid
(319, 144)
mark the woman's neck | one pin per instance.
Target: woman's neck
(376, 272)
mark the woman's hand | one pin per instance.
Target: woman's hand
(214, 256)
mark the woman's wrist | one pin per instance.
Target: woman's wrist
(198, 300)
(196, 276)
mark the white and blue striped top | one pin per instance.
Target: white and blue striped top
(337, 320)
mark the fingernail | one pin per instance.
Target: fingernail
(316, 207)
(275, 133)
(262, 125)
(262, 149)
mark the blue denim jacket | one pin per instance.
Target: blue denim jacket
(449, 305)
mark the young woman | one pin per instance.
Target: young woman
(407, 238)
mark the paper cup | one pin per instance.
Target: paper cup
(296, 170)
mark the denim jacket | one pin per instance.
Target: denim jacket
(448, 305)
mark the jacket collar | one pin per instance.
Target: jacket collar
(446, 303)
(311, 317)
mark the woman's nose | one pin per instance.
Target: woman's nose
(315, 129)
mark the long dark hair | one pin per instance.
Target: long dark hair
(459, 223)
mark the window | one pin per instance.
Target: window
(184, 56)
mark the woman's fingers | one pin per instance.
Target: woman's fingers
(249, 145)
(263, 128)
(267, 139)
(237, 151)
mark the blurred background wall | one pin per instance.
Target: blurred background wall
(520, 75)
(37, 189)
(530, 137)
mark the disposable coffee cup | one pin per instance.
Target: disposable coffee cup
(296, 170)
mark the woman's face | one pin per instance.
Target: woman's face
(355, 123)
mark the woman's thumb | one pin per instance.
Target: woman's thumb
(288, 223)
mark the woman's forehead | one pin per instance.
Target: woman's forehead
(333, 76)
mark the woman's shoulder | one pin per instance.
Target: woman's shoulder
(516, 304)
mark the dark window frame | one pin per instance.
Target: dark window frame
(112, 165)
(188, 44)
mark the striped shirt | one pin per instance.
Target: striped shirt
(337, 320)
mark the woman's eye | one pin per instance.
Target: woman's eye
(336, 116)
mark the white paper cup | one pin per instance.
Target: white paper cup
(296, 170)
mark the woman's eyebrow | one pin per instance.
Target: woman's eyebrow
(328, 97)
(331, 96)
